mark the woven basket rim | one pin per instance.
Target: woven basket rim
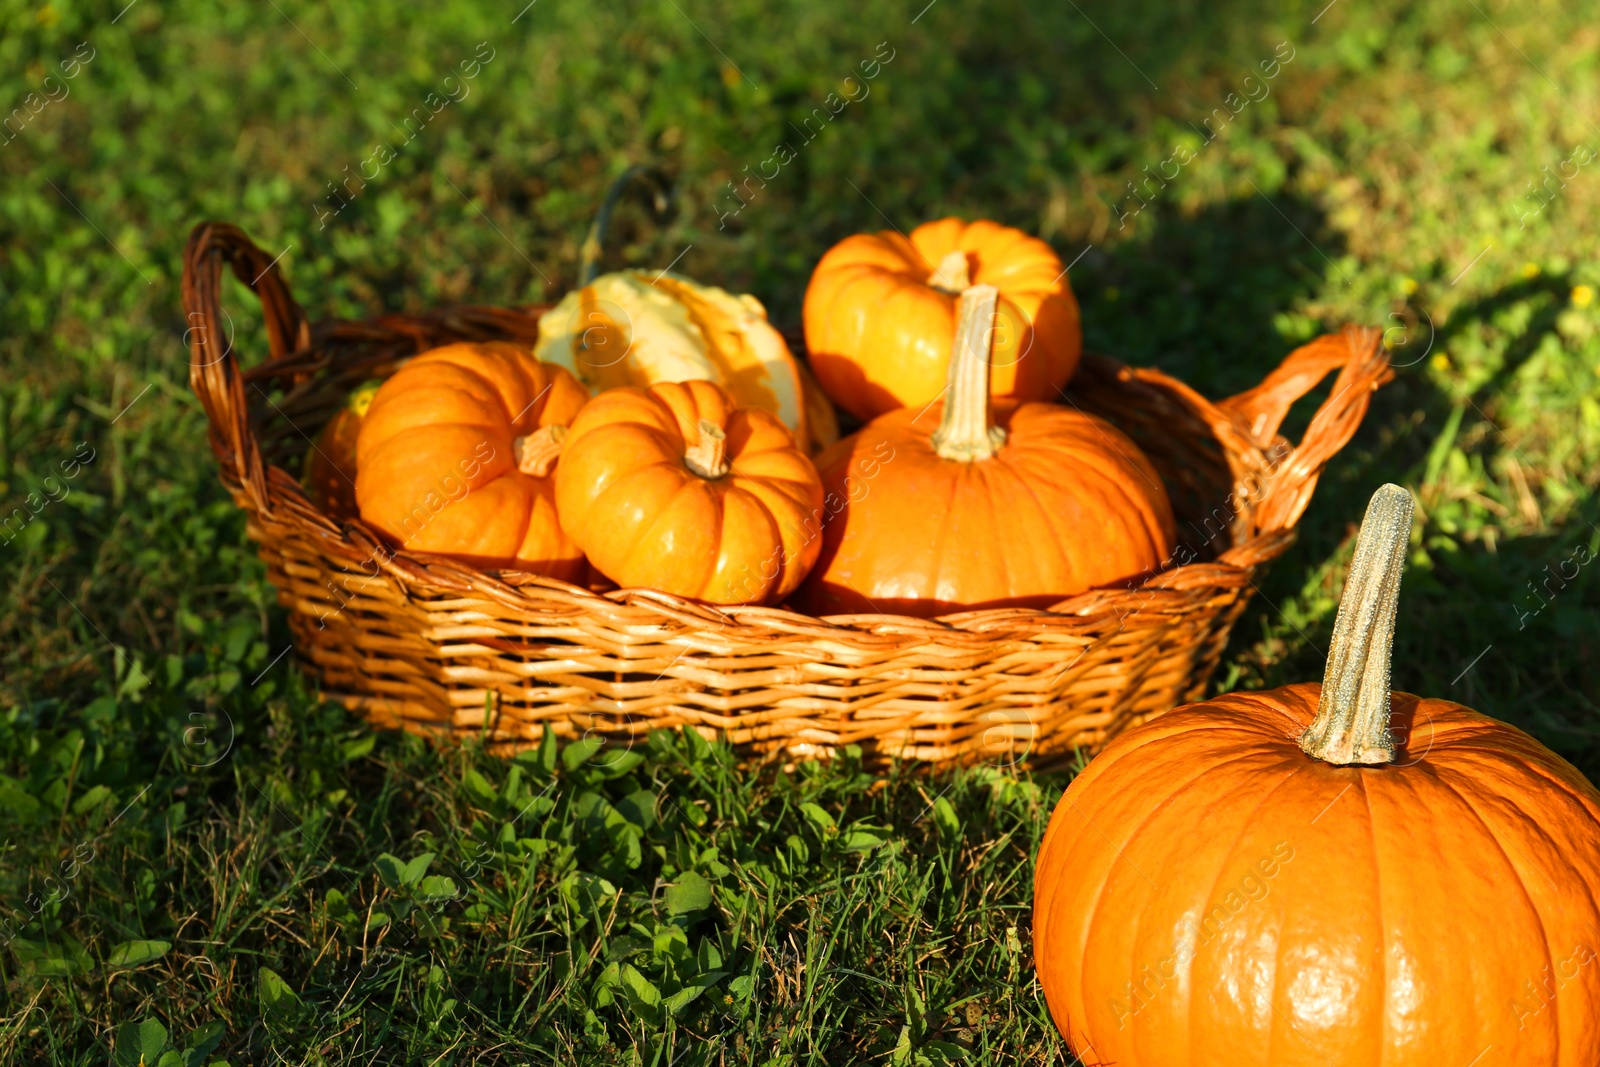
(1245, 427)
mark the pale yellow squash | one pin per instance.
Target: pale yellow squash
(640, 328)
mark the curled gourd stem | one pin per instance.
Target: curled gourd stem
(536, 453)
(708, 457)
(964, 433)
(1352, 723)
(952, 274)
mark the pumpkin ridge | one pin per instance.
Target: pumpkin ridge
(532, 497)
(1063, 565)
(1148, 524)
(719, 530)
(1216, 879)
(417, 427)
(975, 480)
(669, 445)
(1157, 533)
(829, 315)
(1272, 1016)
(534, 407)
(780, 486)
(1377, 906)
(1531, 760)
(873, 330)
(1100, 890)
(645, 529)
(403, 388)
(491, 397)
(994, 245)
(1522, 886)
(774, 533)
(1080, 432)
(930, 585)
(426, 430)
(1045, 909)
(1111, 442)
(533, 413)
(645, 469)
(1568, 788)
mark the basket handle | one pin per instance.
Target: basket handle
(1363, 364)
(651, 180)
(214, 372)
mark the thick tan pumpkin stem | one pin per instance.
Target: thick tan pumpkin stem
(964, 434)
(952, 275)
(537, 452)
(708, 457)
(1352, 723)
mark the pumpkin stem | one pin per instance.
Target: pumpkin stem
(952, 274)
(1352, 723)
(964, 433)
(708, 457)
(536, 453)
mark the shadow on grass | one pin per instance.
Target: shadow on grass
(1500, 622)
(1200, 295)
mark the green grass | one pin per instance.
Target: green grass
(191, 844)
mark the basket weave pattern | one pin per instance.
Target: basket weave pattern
(423, 643)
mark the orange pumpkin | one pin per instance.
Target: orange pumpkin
(331, 465)
(454, 456)
(880, 314)
(1036, 504)
(676, 488)
(1272, 878)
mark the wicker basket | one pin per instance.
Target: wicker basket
(420, 642)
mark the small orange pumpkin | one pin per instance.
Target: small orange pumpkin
(676, 488)
(1038, 504)
(454, 455)
(1271, 878)
(880, 313)
(331, 465)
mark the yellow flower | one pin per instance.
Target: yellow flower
(1530, 270)
(1582, 296)
(1440, 361)
(1408, 285)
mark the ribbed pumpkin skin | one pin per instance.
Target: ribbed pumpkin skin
(1439, 910)
(878, 335)
(645, 519)
(436, 467)
(1069, 503)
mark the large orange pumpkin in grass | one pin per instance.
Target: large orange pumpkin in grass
(880, 313)
(958, 506)
(676, 488)
(1270, 879)
(454, 456)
